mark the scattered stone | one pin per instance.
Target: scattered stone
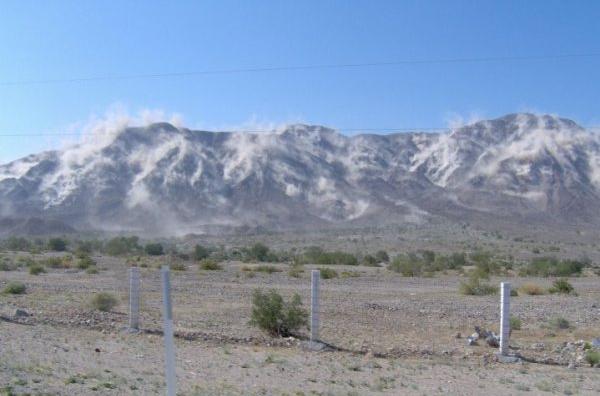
(507, 358)
(472, 339)
(493, 340)
(572, 365)
(458, 335)
(21, 313)
(489, 336)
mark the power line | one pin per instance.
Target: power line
(403, 129)
(298, 68)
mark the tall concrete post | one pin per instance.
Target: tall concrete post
(315, 275)
(504, 317)
(168, 333)
(134, 298)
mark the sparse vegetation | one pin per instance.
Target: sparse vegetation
(270, 312)
(57, 244)
(85, 262)
(17, 244)
(562, 286)
(370, 261)
(209, 265)
(515, 323)
(122, 245)
(154, 249)
(15, 288)
(551, 266)
(559, 323)
(316, 255)
(592, 357)
(200, 252)
(474, 287)
(328, 273)
(104, 302)
(350, 274)
(268, 269)
(57, 262)
(382, 256)
(37, 269)
(407, 265)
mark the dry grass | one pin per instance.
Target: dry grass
(532, 289)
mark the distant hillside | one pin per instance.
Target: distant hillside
(520, 168)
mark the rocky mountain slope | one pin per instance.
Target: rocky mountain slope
(521, 168)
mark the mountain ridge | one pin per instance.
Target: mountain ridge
(167, 180)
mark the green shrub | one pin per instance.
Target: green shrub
(91, 270)
(407, 265)
(210, 265)
(350, 274)
(57, 244)
(85, 262)
(561, 286)
(122, 245)
(551, 266)
(104, 302)
(370, 261)
(200, 252)
(485, 264)
(559, 323)
(592, 357)
(474, 287)
(271, 313)
(328, 273)
(269, 269)
(515, 323)
(154, 249)
(15, 288)
(18, 244)
(37, 269)
(382, 256)
(316, 255)
(514, 293)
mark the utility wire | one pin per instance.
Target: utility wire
(115, 77)
(427, 129)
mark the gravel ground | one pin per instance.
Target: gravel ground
(401, 335)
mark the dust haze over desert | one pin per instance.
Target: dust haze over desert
(167, 180)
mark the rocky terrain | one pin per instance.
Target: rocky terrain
(517, 170)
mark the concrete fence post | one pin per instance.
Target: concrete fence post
(504, 317)
(314, 305)
(134, 298)
(168, 333)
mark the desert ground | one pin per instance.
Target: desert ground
(388, 334)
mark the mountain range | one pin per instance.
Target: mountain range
(163, 180)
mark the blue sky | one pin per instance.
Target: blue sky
(71, 39)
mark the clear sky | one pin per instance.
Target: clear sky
(46, 40)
